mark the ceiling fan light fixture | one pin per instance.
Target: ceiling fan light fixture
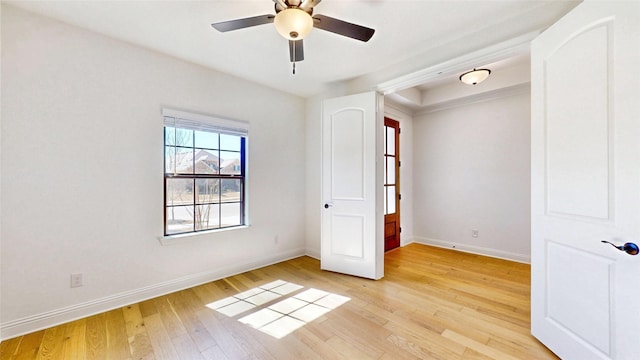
(293, 23)
(475, 76)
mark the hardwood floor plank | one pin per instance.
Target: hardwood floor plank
(186, 305)
(214, 353)
(117, 346)
(433, 303)
(187, 348)
(96, 337)
(133, 320)
(9, 348)
(345, 350)
(476, 346)
(139, 343)
(73, 346)
(423, 343)
(148, 308)
(51, 347)
(169, 316)
(160, 341)
(224, 338)
(29, 346)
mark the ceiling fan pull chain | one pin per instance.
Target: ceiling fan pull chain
(294, 58)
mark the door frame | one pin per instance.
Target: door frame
(389, 122)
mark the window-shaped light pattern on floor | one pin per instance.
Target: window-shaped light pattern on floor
(281, 318)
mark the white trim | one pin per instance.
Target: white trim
(505, 255)
(476, 98)
(196, 121)
(396, 111)
(168, 240)
(55, 317)
(501, 51)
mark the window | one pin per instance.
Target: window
(204, 172)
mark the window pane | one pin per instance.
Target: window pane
(208, 191)
(391, 201)
(179, 191)
(207, 216)
(184, 160)
(230, 162)
(184, 137)
(202, 192)
(231, 190)
(179, 219)
(230, 214)
(391, 170)
(391, 140)
(229, 142)
(206, 162)
(169, 135)
(206, 139)
(169, 159)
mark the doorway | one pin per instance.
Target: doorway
(391, 184)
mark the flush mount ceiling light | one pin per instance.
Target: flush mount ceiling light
(293, 23)
(475, 76)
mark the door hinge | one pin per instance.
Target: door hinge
(399, 163)
(400, 229)
(399, 131)
(399, 196)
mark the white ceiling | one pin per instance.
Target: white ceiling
(407, 32)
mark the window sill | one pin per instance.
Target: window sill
(182, 238)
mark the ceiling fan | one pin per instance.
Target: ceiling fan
(294, 20)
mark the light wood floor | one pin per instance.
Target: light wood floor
(432, 304)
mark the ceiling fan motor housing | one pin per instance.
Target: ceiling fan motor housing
(292, 4)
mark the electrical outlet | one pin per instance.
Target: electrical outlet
(474, 233)
(77, 280)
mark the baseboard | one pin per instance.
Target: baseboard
(314, 253)
(523, 258)
(406, 240)
(63, 315)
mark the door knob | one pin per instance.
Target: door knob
(629, 248)
(326, 206)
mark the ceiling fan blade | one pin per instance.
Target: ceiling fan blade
(309, 4)
(343, 28)
(296, 51)
(230, 25)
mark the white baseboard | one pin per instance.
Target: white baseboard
(406, 240)
(314, 253)
(48, 319)
(523, 258)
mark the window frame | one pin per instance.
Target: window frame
(219, 126)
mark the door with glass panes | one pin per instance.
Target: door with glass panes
(391, 184)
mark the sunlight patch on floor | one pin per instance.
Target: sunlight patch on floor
(283, 317)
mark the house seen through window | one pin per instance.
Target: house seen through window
(204, 176)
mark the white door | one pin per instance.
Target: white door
(352, 218)
(585, 90)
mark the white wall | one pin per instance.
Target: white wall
(472, 171)
(82, 152)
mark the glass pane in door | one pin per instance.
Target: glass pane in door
(390, 141)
